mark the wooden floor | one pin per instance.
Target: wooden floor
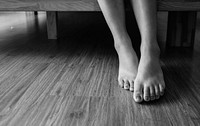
(76, 83)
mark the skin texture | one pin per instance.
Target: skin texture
(145, 77)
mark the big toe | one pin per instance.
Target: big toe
(137, 95)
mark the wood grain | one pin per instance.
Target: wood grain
(77, 85)
(88, 5)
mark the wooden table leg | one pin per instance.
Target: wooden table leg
(35, 12)
(181, 29)
(52, 24)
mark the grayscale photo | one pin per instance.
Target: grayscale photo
(99, 63)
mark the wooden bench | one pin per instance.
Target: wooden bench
(181, 18)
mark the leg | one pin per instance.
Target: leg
(149, 83)
(35, 12)
(52, 25)
(113, 11)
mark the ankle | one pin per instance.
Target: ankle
(150, 49)
(123, 41)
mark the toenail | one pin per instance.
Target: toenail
(147, 98)
(152, 97)
(131, 89)
(138, 98)
(157, 96)
(126, 87)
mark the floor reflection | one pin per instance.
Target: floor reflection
(14, 24)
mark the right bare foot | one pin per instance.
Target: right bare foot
(128, 63)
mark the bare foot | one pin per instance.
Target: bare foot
(128, 63)
(149, 83)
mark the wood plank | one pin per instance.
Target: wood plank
(178, 5)
(49, 5)
(77, 85)
(88, 5)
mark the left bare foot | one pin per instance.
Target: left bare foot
(149, 83)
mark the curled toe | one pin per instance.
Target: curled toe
(157, 92)
(147, 98)
(162, 93)
(153, 97)
(121, 83)
(132, 86)
(126, 85)
(131, 89)
(157, 96)
(161, 90)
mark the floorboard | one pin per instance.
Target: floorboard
(76, 84)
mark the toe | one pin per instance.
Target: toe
(138, 93)
(146, 94)
(121, 83)
(132, 86)
(152, 92)
(161, 90)
(157, 92)
(126, 84)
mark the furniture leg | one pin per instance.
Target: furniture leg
(52, 24)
